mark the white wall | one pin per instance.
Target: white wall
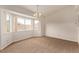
(62, 31)
(22, 35)
(6, 39)
(78, 34)
(62, 25)
(0, 28)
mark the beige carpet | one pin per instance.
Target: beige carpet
(42, 45)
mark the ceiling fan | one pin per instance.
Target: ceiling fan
(37, 14)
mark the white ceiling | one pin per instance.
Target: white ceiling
(44, 9)
(31, 9)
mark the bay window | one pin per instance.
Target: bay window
(17, 23)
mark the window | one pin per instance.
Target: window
(24, 24)
(9, 23)
(15, 23)
(36, 24)
(20, 24)
(28, 24)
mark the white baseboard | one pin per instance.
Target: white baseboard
(60, 38)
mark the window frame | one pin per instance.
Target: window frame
(10, 27)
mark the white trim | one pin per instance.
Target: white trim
(61, 38)
(17, 13)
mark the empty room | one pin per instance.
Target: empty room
(39, 29)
